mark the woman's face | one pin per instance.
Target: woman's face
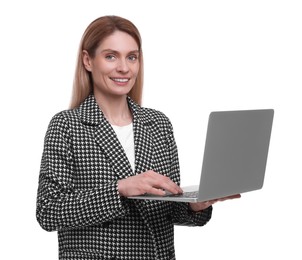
(115, 65)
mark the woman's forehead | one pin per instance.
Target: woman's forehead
(120, 42)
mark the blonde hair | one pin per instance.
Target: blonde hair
(95, 33)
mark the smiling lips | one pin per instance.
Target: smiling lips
(120, 80)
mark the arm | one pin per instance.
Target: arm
(60, 205)
(185, 216)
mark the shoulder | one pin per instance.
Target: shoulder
(157, 119)
(65, 116)
(62, 121)
(155, 115)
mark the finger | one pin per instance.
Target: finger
(155, 191)
(168, 185)
(236, 196)
(163, 182)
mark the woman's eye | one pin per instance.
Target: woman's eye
(110, 57)
(132, 57)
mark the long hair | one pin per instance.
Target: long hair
(93, 36)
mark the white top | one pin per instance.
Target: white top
(125, 135)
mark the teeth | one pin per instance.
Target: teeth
(120, 80)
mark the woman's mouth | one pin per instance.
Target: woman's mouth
(120, 80)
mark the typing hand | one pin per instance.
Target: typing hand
(148, 182)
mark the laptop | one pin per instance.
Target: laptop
(234, 159)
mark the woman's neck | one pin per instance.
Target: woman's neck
(115, 109)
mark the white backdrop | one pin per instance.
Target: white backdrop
(199, 56)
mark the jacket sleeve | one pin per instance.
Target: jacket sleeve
(182, 214)
(59, 204)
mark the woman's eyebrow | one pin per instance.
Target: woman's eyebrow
(109, 50)
(115, 51)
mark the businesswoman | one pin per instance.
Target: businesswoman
(107, 147)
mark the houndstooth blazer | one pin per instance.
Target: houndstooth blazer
(78, 195)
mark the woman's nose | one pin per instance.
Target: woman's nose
(122, 66)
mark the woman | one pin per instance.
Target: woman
(107, 148)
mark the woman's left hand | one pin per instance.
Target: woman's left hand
(199, 206)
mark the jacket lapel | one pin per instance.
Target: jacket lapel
(106, 138)
(108, 141)
(143, 140)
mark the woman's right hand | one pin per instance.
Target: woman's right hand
(148, 182)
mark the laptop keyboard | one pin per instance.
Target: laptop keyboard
(187, 194)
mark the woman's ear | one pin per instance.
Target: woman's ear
(86, 60)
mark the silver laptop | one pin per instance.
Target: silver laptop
(235, 156)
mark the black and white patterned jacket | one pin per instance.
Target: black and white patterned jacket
(78, 196)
